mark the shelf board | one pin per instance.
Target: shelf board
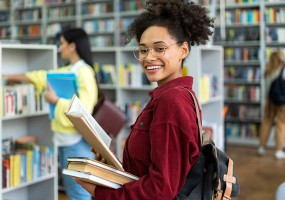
(238, 43)
(32, 7)
(240, 62)
(237, 120)
(21, 116)
(141, 88)
(108, 86)
(130, 13)
(61, 19)
(94, 1)
(242, 82)
(104, 49)
(5, 23)
(275, 44)
(242, 25)
(277, 24)
(86, 17)
(241, 5)
(28, 22)
(38, 180)
(243, 141)
(274, 4)
(212, 100)
(237, 101)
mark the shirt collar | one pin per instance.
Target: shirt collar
(75, 66)
(185, 81)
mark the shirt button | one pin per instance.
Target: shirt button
(141, 124)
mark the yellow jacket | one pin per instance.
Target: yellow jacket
(87, 90)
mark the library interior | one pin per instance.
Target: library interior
(230, 83)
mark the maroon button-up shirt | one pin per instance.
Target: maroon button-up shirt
(162, 147)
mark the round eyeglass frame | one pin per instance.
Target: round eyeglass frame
(151, 48)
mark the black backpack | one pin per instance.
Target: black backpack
(212, 177)
(277, 90)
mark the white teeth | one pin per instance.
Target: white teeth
(153, 67)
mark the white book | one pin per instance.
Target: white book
(91, 178)
(92, 132)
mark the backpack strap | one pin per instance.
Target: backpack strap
(204, 137)
(230, 180)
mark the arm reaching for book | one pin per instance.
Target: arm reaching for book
(16, 78)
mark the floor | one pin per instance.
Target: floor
(258, 176)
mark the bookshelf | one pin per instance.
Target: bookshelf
(20, 58)
(241, 33)
(200, 65)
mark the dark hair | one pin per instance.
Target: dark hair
(184, 21)
(81, 40)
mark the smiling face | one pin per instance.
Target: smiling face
(167, 67)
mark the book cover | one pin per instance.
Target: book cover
(91, 178)
(92, 132)
(64, 84)
(100, 169)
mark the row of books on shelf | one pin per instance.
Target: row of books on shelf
(131, 5)
(274, 34)
(24, 160)
(96, 8)
(61, 12)
(132, 110)
(5, 32)
(4, 4)
(241, 54)
(97, 26)
(240, 35)
(242, 16)
(269, 51)
(28, 15)
(242, 93)
(248, 73)
(131, 75)
(125, 23)
(105, 73)
(4, 17)
(208, 87)
(242, 112)
(102, 41)
(237, 130)
(27, 3)
(28, 30)
(275, 15)
(21, 99)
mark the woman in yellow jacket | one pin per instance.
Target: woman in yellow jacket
(74, 47)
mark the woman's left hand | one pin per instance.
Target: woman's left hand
(50, 95)
(89, 187)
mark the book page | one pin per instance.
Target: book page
(78, 108)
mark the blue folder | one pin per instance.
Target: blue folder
(64, 84)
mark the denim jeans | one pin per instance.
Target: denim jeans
(273, 114)
(81, 149)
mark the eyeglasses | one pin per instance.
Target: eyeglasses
(158, 50)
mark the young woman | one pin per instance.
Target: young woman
(75, 48)
(273, 113)
(163, 144)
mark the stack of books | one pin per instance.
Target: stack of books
(110, 174)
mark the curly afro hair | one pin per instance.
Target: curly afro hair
(185, 21)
